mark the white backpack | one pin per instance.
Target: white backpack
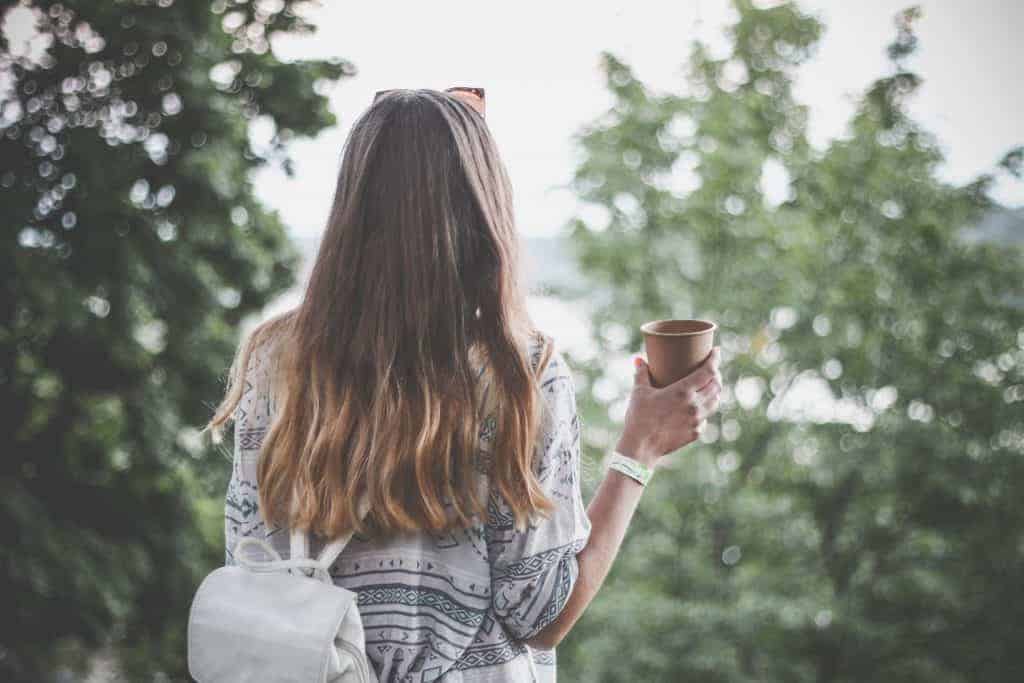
(267, 620)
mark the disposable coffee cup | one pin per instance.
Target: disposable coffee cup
(675, 348)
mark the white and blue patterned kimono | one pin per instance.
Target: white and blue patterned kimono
(448, 607)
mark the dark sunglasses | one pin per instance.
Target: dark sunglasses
(474, 97)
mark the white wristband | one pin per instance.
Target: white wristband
(630, 467)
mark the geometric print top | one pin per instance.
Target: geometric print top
(447, 607)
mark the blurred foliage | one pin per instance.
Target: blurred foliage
(134, 248)
(853, 513)
(850, 515)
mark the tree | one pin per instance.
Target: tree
(851, 515)
(134, 248)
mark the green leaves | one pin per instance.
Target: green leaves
(134, 246)
(838, 516)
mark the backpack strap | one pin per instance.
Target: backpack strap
(299, 541)
(331, 551)
(276, 563)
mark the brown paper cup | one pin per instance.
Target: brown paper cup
(676, 347)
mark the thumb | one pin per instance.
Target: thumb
(641, 376)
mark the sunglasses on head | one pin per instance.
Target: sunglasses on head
(472, 96)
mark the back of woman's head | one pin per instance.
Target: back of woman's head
(414, 291)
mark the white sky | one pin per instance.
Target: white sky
(539, 64)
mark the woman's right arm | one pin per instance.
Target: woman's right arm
(658, 421)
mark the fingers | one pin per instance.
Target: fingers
(693, 398)
(708, 408)
(701, 403)
(695, 432)
(700, 392)
(712, 387)
(699, 377)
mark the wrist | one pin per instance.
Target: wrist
(638, 451)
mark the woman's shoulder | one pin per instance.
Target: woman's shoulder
(554, 375)
(546, 358)
(259, 354)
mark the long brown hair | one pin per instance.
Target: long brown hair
(375, 382)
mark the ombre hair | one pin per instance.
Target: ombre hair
(414, 302)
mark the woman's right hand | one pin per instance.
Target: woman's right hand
(662, 420)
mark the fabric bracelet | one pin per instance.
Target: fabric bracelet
(630, 467)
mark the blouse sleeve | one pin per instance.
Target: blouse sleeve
(241, 502)
(533, 571)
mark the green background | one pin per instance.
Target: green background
(877, 538)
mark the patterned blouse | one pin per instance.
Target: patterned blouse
(447, 607)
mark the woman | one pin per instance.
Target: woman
(412, 374)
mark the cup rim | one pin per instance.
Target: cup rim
(646, 327)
